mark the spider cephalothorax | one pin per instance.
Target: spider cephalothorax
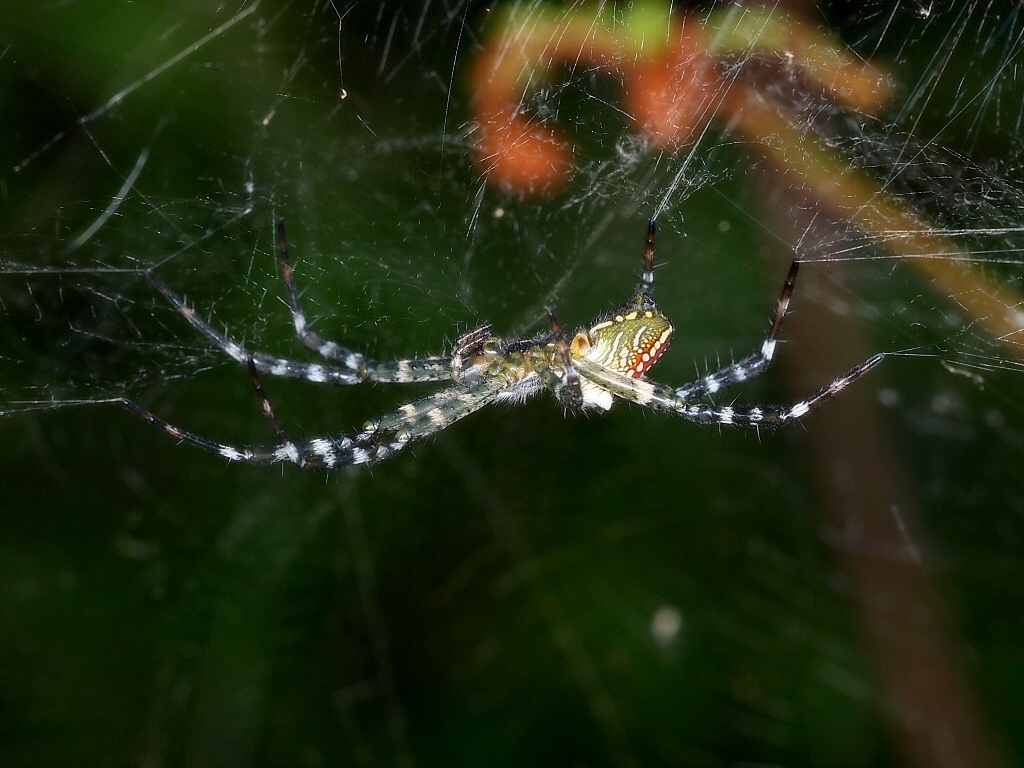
(607, 359)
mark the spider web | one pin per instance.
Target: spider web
(616, 590)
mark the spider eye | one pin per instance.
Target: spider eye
(629, 340)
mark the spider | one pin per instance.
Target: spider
(605, 360)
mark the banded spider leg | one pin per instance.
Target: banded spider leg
(355, 367)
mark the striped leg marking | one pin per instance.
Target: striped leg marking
(752, 365)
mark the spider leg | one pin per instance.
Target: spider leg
(395, 371)
(268, 409)
(752, 365)
(646, 284)
(276, 366)
(664, 398)
(439, 410)
(329, 350)
(400, 371)
(377, 440)
(467, 345)
(566, 386)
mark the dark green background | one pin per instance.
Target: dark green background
(487, 597)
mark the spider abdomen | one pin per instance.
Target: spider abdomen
(629, 340)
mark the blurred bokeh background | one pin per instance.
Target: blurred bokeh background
(525, 589)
